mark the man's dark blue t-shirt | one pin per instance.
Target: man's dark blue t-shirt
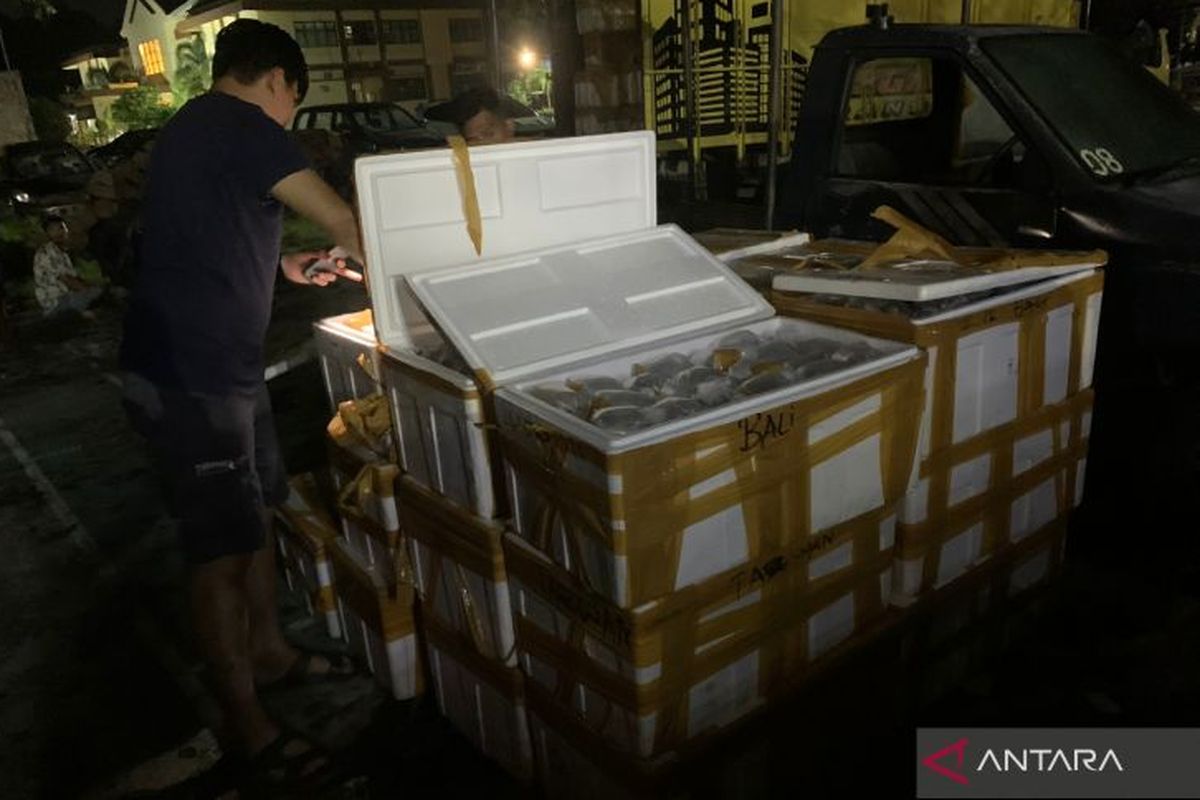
(210, 247)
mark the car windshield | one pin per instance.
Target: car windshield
(1116, 118)
(49, 163)
(384, 119)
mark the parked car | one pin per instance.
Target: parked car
(46, 178)
(122, 147)
(370, 127)
(526, 121)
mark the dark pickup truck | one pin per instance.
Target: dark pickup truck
(1032, 137)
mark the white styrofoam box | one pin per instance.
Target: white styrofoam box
(568, 639)
(458, 569)
(439, 420)
(312, 579)
(543, 310)
(843, 487)
(378, 627)
(340, 342)
(910, 283)
(303, 539)
(485, 703)
(962, 550)
(372, 526)
(531, 195)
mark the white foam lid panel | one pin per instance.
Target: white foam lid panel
(541, 311)
(917, 286)
(532, 195)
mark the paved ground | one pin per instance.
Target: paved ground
(98, 676)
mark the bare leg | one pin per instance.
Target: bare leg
(219, 613)
(270, 653)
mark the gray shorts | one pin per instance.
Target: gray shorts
(219, 462)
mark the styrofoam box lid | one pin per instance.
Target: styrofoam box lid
(937, 282)
(532, 195)
(521, 316)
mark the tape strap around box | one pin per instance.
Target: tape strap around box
(387, 610)
(372, 486)
(657, 506)
(445, 573)
(507, 680)
(308, 535)
(992, 508)
(770, 629)
(450, 530)
(669, 633)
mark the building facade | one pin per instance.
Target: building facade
(406, 51)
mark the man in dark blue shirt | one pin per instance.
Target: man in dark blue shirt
(221, 171)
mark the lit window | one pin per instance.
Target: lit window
(152, 58)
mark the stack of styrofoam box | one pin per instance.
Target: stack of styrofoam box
(413, 220)
(1006, 423)
(452, 498)
(467, 624)
(666, 588)
(726, 545)
(305, 535)
(794, 492)
(374, 589)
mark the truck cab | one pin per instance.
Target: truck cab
(1027, 137)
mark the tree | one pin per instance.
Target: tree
(141, 108)
(49, 119)
(193, 71)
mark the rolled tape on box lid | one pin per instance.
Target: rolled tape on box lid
(909, 241)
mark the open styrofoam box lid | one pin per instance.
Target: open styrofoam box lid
(532, 195)
(519, 317)
(920, 282)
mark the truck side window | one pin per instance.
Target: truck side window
(321, 120)
(923, 120)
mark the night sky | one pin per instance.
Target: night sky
(106, 12)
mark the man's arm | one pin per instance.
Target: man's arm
(305, 193)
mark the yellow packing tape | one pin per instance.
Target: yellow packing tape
(365, 421)
(769, 454)
(466, 190)
(686, 647)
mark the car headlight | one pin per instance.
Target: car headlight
(21, 197)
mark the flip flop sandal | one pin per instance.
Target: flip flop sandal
(274, 772)
(301, 673)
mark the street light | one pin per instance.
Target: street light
(527, 59)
